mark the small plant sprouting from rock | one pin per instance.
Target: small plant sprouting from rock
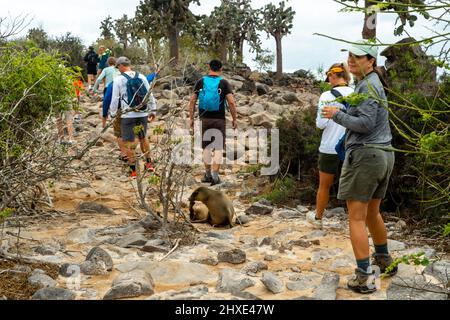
(417, 259)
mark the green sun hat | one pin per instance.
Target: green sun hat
(362, 48)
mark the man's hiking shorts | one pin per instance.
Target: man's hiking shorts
(130, 125)
(117, 125)
(365, 174)
(329, 163)
(92, 70)
(214, 134)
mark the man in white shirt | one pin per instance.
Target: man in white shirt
(131, 118)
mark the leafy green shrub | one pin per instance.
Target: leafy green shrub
(421, 177)
(33, 84)
(283, 191)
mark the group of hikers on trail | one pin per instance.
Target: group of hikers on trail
(355, 137)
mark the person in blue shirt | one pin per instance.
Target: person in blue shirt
(117, 123)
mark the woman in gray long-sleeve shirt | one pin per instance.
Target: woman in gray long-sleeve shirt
(367, 167)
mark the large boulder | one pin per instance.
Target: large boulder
(98, 262)
(327, 288)
(441, 271)
(272, 282)
(236, 85)
(235, 256)
(172, 272)
(39, 279)
(54, 294)
(233, 281)
(409, 68)
(290, 97)
(274, 108)
(94, 207)
(262, 89)
(249, 87)
(263, 119)
(414, 288)
(98, 254)
(192, 74)
(259, 208)
(132, 284)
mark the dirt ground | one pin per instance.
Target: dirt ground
(14, 283)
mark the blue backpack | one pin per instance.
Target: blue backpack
(136, 93)
(340, 147)
(209, 96)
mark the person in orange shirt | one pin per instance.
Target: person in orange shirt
(79, 86)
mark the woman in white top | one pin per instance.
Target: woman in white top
(339, 78)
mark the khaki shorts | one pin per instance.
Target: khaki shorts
(329, 163)
(128, 128)
(117, 125)
(365, 174)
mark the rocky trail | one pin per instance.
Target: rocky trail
(104, 247)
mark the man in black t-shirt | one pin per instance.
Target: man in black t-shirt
(215, 95)
(92, 59)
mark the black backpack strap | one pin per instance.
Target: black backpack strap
(336, 93)
(126, 76)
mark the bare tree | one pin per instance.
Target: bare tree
(12, 26)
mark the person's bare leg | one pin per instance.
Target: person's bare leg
(217, 160)
(131, 152)
(207, 159)
(69, 124)
(145, 147)
(123, 149)
(323, 194)
(90, 78)
(60, 127)
(358, 233)
(375, 223)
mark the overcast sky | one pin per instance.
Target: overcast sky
(302, 49)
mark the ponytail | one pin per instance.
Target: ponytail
(379, 72)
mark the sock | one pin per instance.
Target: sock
(364, 264)
(381, 249)
(133, 167)
(215, 176)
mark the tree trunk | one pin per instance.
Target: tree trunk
(223, 51)
(239, 43)
(279, 56)
(370, 23)
(173, 44)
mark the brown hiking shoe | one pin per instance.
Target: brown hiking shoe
(383, 261)
(362, 282)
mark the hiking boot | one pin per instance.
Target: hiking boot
(311, 218)
(362, 282)
(215, 182)
(207, 179)
(133, 175)
(383, 261)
